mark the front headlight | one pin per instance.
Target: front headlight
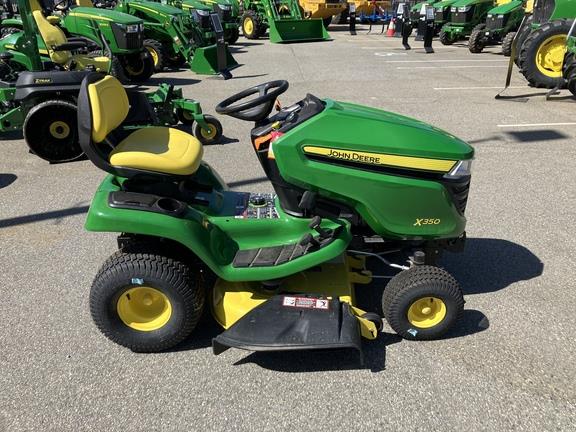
(464, 9)
(132, 28)
(500, 16)
(489, 15)
(224, 7)
(462, 169)
(452, 9)
(202, 12)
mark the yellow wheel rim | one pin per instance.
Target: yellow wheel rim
(426, 312)
(187, 115)
(550, 56)
(154, 55)
(248, 26)
(144, 308)
(59, 129)
(210, 133)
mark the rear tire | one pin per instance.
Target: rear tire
(233, 35)
(51, 131)
(422, 303)
(250, 25)
(476, 41)
(445, 38)
(542, 55)
(507, 44)
(523, 33)
(156, 51)
(213, 135)
(146, 301)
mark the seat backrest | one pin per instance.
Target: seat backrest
(84, 3)
(102, 107)
(51, 34)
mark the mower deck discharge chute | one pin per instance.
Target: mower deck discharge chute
(284, 21)
(279, 272)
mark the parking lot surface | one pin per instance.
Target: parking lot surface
(509, 366)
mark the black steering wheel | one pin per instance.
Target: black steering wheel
(257, 108)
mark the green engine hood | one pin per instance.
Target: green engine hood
(103, 15)
(462, 3)
(444, 4)
(418, 6)
(506, 8)
(195, 4)
(380, 131)
(155, 8)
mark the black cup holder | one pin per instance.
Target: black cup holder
(170, 205)
(146, 202)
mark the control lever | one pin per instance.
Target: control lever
(315, 225)
(308, 239)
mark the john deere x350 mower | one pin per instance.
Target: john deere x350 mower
(286, 266)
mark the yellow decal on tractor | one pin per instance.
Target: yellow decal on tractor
(381, 159)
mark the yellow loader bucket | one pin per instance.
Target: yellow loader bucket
(297, 30)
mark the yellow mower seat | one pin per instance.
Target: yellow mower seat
(159, 149)
(155, 149)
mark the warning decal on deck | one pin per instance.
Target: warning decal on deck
(305, 302)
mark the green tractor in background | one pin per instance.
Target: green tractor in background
(123, 34)
(173, 37)
(501, 25)
(541, 43)
(442, 11)
(283, 19)
(465, 15)
(416, 9)
(227, 10)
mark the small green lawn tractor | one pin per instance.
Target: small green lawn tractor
(123, 34)
(465, 15)
(278, 272)
(501, 25)
(542, 45)
(172, 34)
(283, 19)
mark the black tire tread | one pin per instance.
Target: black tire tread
(475, 43)
(507, 44)
(444, 38)
(160, 50)
(406, 281)
(145, 258)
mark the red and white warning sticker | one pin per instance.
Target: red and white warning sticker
(305, 302)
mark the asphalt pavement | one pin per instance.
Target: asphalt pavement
(511, 364)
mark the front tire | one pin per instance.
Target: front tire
(250, 25)
(476, 41)
(422, 303)
(445, 38)
(146, 301)
(156, 51)
(507, 44)
(51, 131)
(139, 67)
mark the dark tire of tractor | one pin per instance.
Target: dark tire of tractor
(233, 35)
(215, 131)
(476, 41)
(184, 117)
(157, 53)
(523, 33)
(527, 56)
(445, 38)
(417, 283)
(173, 278)
(5, 31)
(138, 68)
(43, 122)
(507, 44)
(253, 30)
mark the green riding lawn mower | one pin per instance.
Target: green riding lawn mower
(465, 15)
(277, 271)
(101, 30)
(501, 25)
(283, 19)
